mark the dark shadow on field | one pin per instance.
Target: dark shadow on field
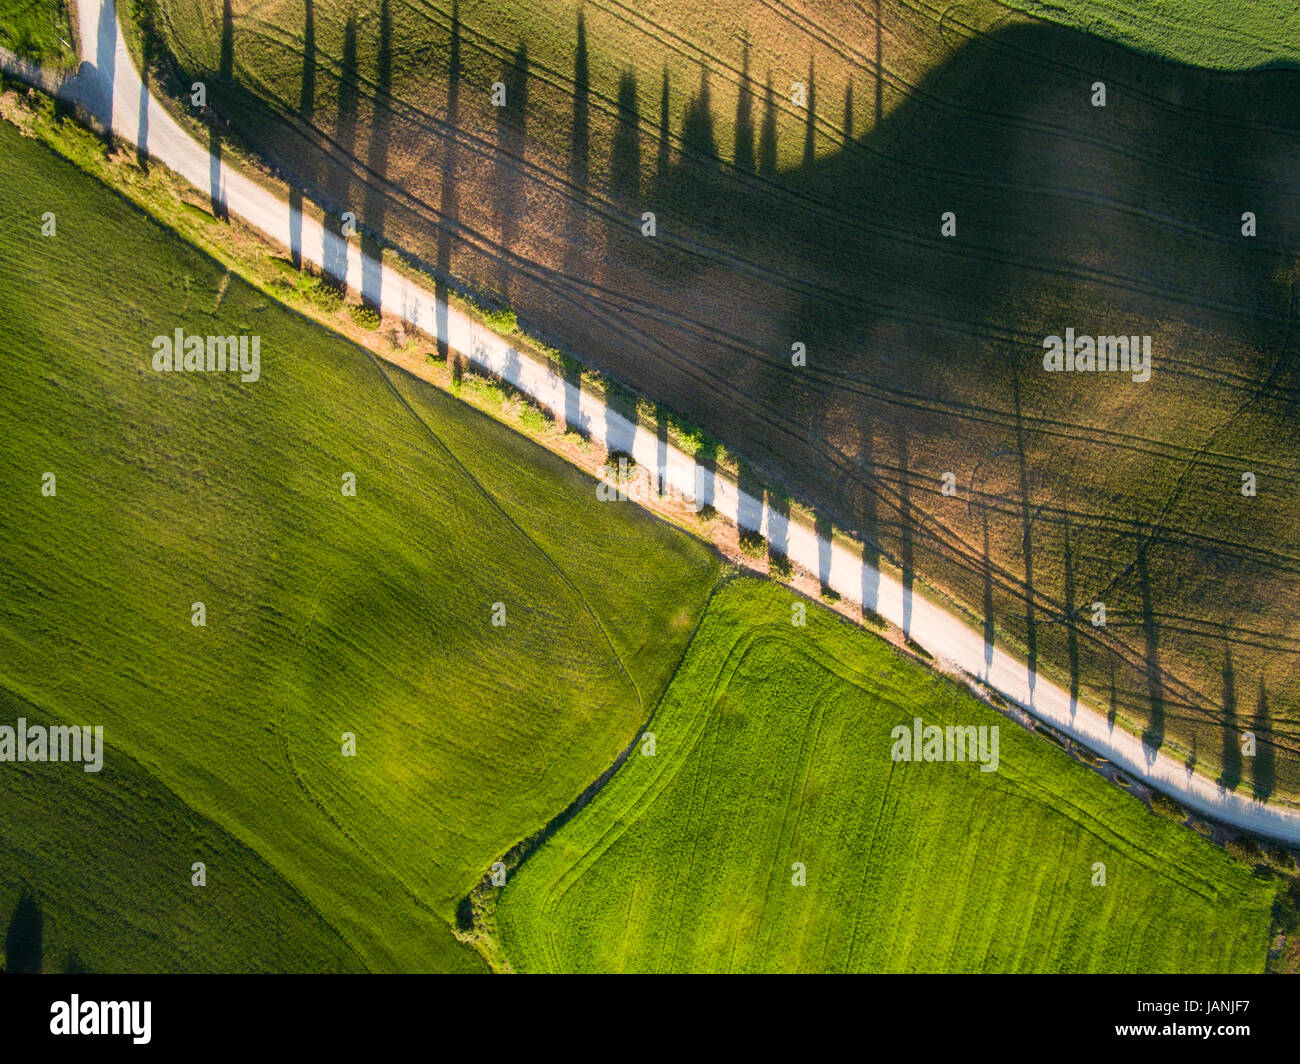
(306, 112)
(742, 155)
(1154, 735)
(869, 527)
(906, 528)
(334, 257)
(1026, 536)
(990, 625)
(767, 133)
(579, 163)
(1230, 776)
(372, 210)
(625, 152)
(106, 56)
(142, 124)
(1118, 218)
(226, 73)
(511, 136)
(825, 533)
(1071, 617)
(664, 140)
(1264, 767)
(25, 939)
(447, 205)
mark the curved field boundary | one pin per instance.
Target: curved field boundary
(707, 783)
(110, 88)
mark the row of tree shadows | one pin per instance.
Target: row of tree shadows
(844, 482)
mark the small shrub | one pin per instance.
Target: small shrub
(752, 545)
(363, 316)
(504, 321)
(612, 460)
(1166, 807)
(534, 418)
(780, 565)
(1244, 850)
(325, 296)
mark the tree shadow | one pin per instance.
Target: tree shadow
(619, 437)
(147, 58)
(869, 526)
(810, 120)
(906, 528)
(25, 939)
(990, 626)
(447, 203)
(1071, 620)
(306, 112)
(625, 152)
(511, 136)
(1026, 536)
(825, 539)
(767, 133)
(1231, 773)
(373, 212)
(1264, 766)
(226, 74)
(663, 140)
(743, 150)
(334, 257)
(778, 536)
(106, 69)
(749, 511)
(1154, 735)
(578, 170)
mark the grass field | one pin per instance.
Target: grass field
(821, 224)
(107, 858)
(37, 29)
(1233, 35)
(325, 613)
(773, 747)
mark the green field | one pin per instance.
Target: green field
(37, 29)
(773, 747)
(779, 222)
(325, 614)
(108, 856)
(1227, 34)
